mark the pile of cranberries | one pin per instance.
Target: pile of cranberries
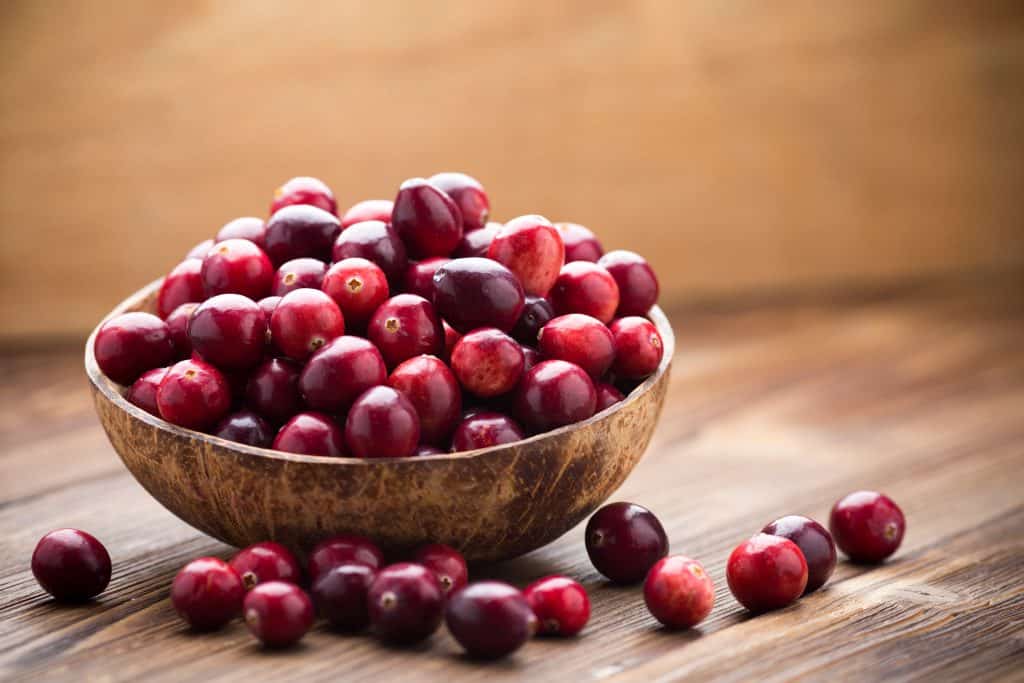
(401, 328)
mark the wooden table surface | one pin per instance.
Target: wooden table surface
(774, 409)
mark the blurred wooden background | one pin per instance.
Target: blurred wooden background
(744, 147)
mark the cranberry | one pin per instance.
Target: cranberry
(678, 592)
(207, 593)
(607, 395)
(579, 339)
(339, 372)
(531, 357)
(298, 273)
(200, 250)
(71, 565)
(245, 228)
(266, 561)
(537, 312)
(299, 231)
(245, 427)
(340, 595)
(447, 564)
(193, 394)
(488, 362)
(766, 572)
(433, 391)
(580, 243)
(867, 526)
(184, 284)
(304, 191)
(278, 613)
(424, 450)
(404, 326)
(130, 344)
(584, 287)
(382, 424)
(532, 249)
(142, 392)
(343, 549)
(478, 292)
(814, 542)
(419, 276)
(359, 287)
(450, 338)
(624, 540)
(273, 390)
(484, 429)
(555, 393)
(228, 330)
(177, 325)
(476, 242)
(638, 347)
(560, 604)
(237, 267)
(469, 196)
(311, 434)
(490, 619)
(304, 321)
(368, 210)
(405, 602)
(374, 241)
(426, 219)
(267, 304)
(638, 285)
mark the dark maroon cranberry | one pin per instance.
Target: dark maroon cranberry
(406, 603)
(580, 243)
(607, 395)
(304, 190)
(267, 304)
(142, 392)
(131, 343)
(424, 450)
(304, 321)
(278, 613)
(814, 542)
(678, 592)
(207, 593)
(184, 284)
(301, 231)
(245, 427)
(531, 357)
(71, 565)
(488, 362)
(343, 549)
(624, 540)
(638, 285)
(532, 249)
(340, 595)
(193, 394)
(298, 273)
(200, 250)
(469, 196)
(336, 374)
(266, 561)
(311, 434)
(476, 242)
(447, 564)
(450, 338)
(228, 330)
(584, 287)
(237, 267)
(537, 312)
(382, 424)
(374, 241)
(404, 326)
(867, 526)
(766, 572)
(490, 619)
(419, 276)
(273, 390)
(484, 429)
(433, 391)
(245, 228)
(177, 325)
(579, 339)
(359, 287)
(426, 219)
(368, 210)
(561, 605)
(638, 347)
(555, 393)
(478, 292)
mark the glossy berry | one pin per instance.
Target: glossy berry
(487, 362)
(607, 395)
(584, 287)
(131, 343)
(478, 292)
(579, 339)
(207, 593)
(426, 219)
(200, 250)
(679, 592)
(304, 321)
(374, 241)
(193, 394)
(298, 273)
(304, 190)
(867, 526)
(237, 267)
(469, 196)
(638, 347)
(447, 564)
(638, 285)
(266, 561)
(624, 540)
(814, 541)
(184, 284)
(177, 325)
(406, 603)
(531, 357)
(555, 393)
(359, 287)
(537, 312)
(433, 391)
(419, 276)
(580, 243)
(532, 249)
(368, 210)
(245, 426)
(404, 326)
(228, 330)
(343, 549)
(311, 433)
(766, 572)
(560, 604)
(340, 595)
(245, 228)
(339, 372)
(277, 613)
(273, 390)
(71, 565)
(382, 424)
(476, 242)
(300, 231)
(267, 304)
(485, 429)
(490, 619)
(142, 392)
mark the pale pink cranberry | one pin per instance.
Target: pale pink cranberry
(532, 249)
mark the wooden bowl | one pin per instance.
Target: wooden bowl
(492, 504)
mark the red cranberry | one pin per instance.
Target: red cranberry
(814, 542)
(304, 321)
(237, 267)
(531, 357)
(579, 339)
(278, 613)
(433, 391)
(469, 196)
(424, 450)
(607, 395)
(304, 191)
(142, 392)
(336, 374)
(580, 243)
(404, 326)
(450, 338)
(245, 228)
(298, 273)
(447, 564)
(311, 434)
(343, 549)
(71, 565)
(267, 304)
(537, 312)
(340, 595)
(426, 219)
(374, 241)
(867, 526)
(419, 276)
(177, 325)
(678, 592)
(555, 393)
(130, 344)
(245, 427)
(488, 362)
(359, 287)
(560, 604)
(490, 619)
(273, 390)
(299, 231)
(476, 242)
(478, 292)
(368, 210)
(184, 284)
(405, 602)
(532, 249)
(638, 347)
(193, 394)
(584, 287)
(200, 250)
(266, 561)
(484, 429)
(638, 285)
(624, 540)
(228, 330)
(382, 424)
(766, 572)
(207, 593)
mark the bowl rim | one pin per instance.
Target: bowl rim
(108, 388)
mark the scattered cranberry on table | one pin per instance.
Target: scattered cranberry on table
(340, 595)
(277, 613)
(490, 619)
(207, 593)
(679, 592)
(868, 526)
(766, 572)
(406, 603)
(814, 542)
(447, 564)
(624, 540)
(343, 549)
(560, 604)
(71, 565)
(266, 561)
